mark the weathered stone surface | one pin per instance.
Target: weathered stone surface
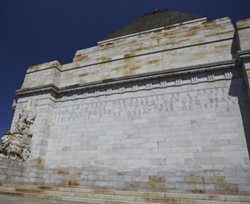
(108, 196)
(194, 179)
(161, 110)
(17, 145)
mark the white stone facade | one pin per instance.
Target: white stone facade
(162, 110)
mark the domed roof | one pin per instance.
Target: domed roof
(156, 19)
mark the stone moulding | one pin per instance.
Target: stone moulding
(243, 54)
(177, 74)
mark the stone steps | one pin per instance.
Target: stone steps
(103, 196)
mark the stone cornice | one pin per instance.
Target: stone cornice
(244, 54)
(58, 92)
(49, 88)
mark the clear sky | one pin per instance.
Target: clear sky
(38, 31)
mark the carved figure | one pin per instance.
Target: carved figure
(17, 145)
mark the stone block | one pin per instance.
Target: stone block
(63, 172)
(215, 179)
(194, 179)
(229, 188)
(71, 182)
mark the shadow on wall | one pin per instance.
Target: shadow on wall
(238, 89)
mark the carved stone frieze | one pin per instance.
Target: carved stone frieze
(17, 144)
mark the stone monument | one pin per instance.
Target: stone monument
(160, 105)
(17, 145)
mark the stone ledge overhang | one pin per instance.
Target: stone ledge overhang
(56, 91)
(45, 66)
(244, 54)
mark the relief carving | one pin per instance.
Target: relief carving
(16, 145)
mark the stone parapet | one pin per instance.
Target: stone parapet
(165, 50)
(43, 75)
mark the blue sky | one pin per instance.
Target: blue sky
(37, 31)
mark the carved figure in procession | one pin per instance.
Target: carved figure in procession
(17, 145)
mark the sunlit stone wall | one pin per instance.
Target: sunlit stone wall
(161, 110)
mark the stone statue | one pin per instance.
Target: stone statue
(17, 145)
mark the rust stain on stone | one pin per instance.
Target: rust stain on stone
(71, 182)
(130, 66)
(36, 162)
(156, 183)
(155, 179)
(128, 55)
(194, 179)
(63, 172)
(214, 197)
(45, 187)
(232, 188)
(83, 74)
(106, 45)
(215, 179)
(172, 39)
(104, 59)
(140, 49)
(81, 57)
(170, 74)
(190, 33)
(155, 61)
(198, 191)
(130, 70)
(221, 46)
(207, 24)
(107, 78)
